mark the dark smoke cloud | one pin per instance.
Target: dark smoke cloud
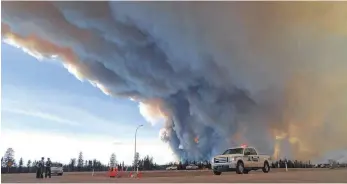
(222, 73)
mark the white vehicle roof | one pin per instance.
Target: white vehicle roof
(237, 147)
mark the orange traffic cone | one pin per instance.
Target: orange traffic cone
(139, 175)
(113, 172)
(116, 172)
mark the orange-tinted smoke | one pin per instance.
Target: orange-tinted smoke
(313, 115)
(34, 44)
(196, 140)
(153, 111)
(39, 48)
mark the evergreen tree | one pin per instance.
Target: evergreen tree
(90, 164)
(9, 158)
(72, 164)
(20, 164)
(136, 160)
(34, 163)
(29, 165)
(80, 161)
(185, 164)
(147, 163)
(94, 164)
(113, 160)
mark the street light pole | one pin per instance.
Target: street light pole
(135, 164)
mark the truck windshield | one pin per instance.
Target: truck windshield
(234, 151)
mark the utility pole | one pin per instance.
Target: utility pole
(135, 155)
(278, 159)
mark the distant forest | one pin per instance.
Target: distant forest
(10, 165)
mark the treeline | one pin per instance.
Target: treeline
(300, 164)
(10, 165)
(275, 164)
(292, 164)
(79, 164)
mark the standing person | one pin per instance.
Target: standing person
(39, 168)
(48, 168)
(42, 164)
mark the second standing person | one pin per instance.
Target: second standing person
(48, 170)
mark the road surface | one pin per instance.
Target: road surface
(275, 176)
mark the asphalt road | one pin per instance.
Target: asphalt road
(275, 176)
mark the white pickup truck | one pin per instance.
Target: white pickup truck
(57, 168)
(240, 159)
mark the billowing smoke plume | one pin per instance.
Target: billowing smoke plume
(219, 73)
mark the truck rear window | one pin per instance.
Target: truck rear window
(57, 165)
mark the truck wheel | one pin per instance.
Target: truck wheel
(239, 167)
(266, 167)
(217, 173)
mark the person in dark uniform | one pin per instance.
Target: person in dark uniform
(39, 168)
(48, 168)
(42, 166)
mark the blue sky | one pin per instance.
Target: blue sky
(42, 97)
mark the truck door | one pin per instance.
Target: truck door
(247, 158)
(254, 157)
